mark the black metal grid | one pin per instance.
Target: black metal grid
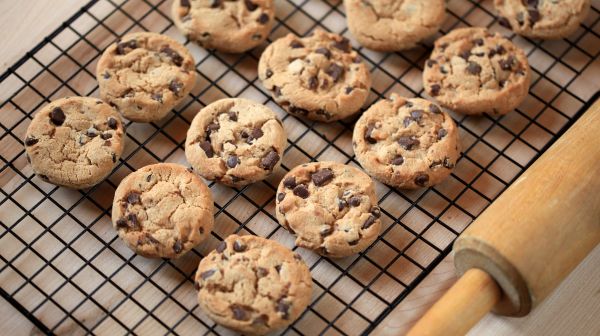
(64, 268)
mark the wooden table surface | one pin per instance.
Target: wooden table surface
(574, 308)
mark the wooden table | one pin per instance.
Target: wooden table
(574, 308)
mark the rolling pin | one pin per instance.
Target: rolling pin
(528, 240)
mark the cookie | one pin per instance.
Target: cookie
(162, 210)
(474, 71)
(235, 141)
(318, 77)
(74, 142)
(543, 19)
(231, 26)
(406, 143)
(394, 25)
(330, 207)
(253, 285)
(144, 75)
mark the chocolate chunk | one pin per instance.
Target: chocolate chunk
(175, 86)
(91, 132)
(57, 116)
(238, 246)
(435, 89)
(207, 274)
(397, 161)
(422, 179)
(416, 115)
(280, 197)
(506, 64)
(250, 5)
(232, 161)
(207, 147)
(121, 47)
(500, 50)
(29, 141)
(232, 116)
(122, 222)
(348, 89)
(184, 3)
(478, 41)
(335, 71)
(262, 272)
(504, 22)
(322, 177)
(112, 123)
(474, 68)
(323, 51)
(408, 143)
(406, 122)
(239, 313)
(430, 63)
(283, 308)
(133, 221)
(262, 320)
(326, 231)
(269, 161)
(313, 83)
(221, 247)
(212, 127)
(534, 16)
(369, 132)
(301, 191)
(343, 45)
(296, 44)
(369, 222)
(441, 133)
(354, 201)
(268, 73)
(216, 3)
(289, 182)
(174, 55)
(263, 18)
(465, 54)
(133, 198)
(178, 246)
(158, 96)
(433, 108)
(105, 136)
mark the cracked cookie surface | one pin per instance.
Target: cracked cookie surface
(544, 19)
(235, 141)
(253, 285)
(391, 25)
(406, 143)
(474, 71)
(232, 26)
(318, 77)
(330, 207)
(162, 210)
(74, 142)
(144, 75)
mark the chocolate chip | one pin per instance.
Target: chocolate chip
(196, 285)
(322, 177)
(375, 211)
(506, 64)
(121, 47)
(342, 204)
(269, 73)
(106, 75)
(369, 222)
(269, 161)
(502, 83)
(354, 201)
(478, 41)
(520, 18)
(435, 89)
(29, 141)
(534, 16)
(433, 108)
(326, 231)
(343, 44)
(296, 110)
(369, 132)
(289, 182)
(114, 157)
(296, 44)
(185, 3)
(112, 123)
(262, 272)
(238, 246)
(301, 191)
(232, 116)
(500, 50)
(158, 96)
(278, 267)
(212, 127)
(221, 247)
(283, 308)
(207, 274)
(122, 222)
(175, 57)
(57, 116)
(250, 5)
(280, 197)
(207, 147)
(175, 86)
(416, 114)
(216, 3)
(91, 132)
(105, 136)
(408, 143)
(422, 179)
(504, 22)
(263, 18)
(133, 197)
(148, 178)
(442, 132)
(239, 313)
(474, 68)
(335, 71)
(178, 246)
(313, 83)
(406, 122)
(348, 89)
(448, 164)
(353, 242)
(465, 54)
(261, 320)
(232, 161)
(323, 51)
(397, 161)
(325, 83)
(533, 3)
(430, 63)
(133, 220)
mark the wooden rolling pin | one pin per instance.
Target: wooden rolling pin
(529, 239)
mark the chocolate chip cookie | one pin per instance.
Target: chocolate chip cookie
(144, 75)
(544, 19)
(162, 210)
(235, 141)
(474, 71)
(74, 142)
(253, 285)
(232, 26)
(406, 143)
(318, 77)
(330, 207)
(386, 25)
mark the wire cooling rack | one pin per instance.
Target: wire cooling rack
(62, 265)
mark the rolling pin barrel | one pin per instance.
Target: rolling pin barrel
(530, 238)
